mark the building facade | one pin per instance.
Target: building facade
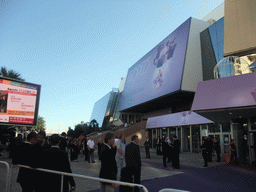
(105, 109)
(186, 87)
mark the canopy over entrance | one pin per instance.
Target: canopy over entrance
(177, 119)
(221, 100)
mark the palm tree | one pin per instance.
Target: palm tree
(11, 74)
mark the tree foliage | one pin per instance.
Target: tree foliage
(11, 74)
(40, 124)
(71, 132)
(83, 129)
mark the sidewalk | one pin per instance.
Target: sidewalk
(186, 159)
(191, 176)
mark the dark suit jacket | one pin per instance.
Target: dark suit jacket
(165, 148)
(57, 160)
(26, 156)
(147, 144)
(108, 168)
(13, 147)
(132, 155)
(176, 146)
(63, 143)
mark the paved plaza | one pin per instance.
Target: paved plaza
(191, 177)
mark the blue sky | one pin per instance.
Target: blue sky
(78, 50)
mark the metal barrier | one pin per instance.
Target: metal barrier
(7, 186)
(8, 179)
(172, 190)
(85, 177)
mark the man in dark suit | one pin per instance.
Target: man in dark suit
(133, 160)
(108, 168)
(86, 152)
(165, 149)
(63, 142)
(176, 153)
(158, 146)
(26, 156)
(210, 146)
(57, 160)
(14, 146)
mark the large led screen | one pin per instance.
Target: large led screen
(19, 102)
(159, 72)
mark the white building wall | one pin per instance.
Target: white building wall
(193, 72)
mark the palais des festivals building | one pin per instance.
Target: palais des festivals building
(198, 81)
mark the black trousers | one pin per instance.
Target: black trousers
(205, 156)
(147, 153)
(164, 159)
(218, 156)
(135, 173)
(86, 153)
(176, 160)
(170, 154)
(126, 177)
(210, 155)
(158, 149)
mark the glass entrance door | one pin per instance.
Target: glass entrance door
(224, 139)
(240, 130)
(225, 143)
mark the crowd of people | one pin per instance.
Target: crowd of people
(118, 160)
(208, 146)
(170, 150)
(39, 152)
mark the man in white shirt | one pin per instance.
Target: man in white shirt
(169, 141)
(90, 146)
(120, 155)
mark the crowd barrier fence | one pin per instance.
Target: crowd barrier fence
(9, 172)
(172, 190)
(86, 177)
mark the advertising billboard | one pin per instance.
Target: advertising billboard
(19, 102)
(159, 72)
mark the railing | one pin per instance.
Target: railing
(172, 190)
(7, 187)
(8, 179)
(86, 177)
